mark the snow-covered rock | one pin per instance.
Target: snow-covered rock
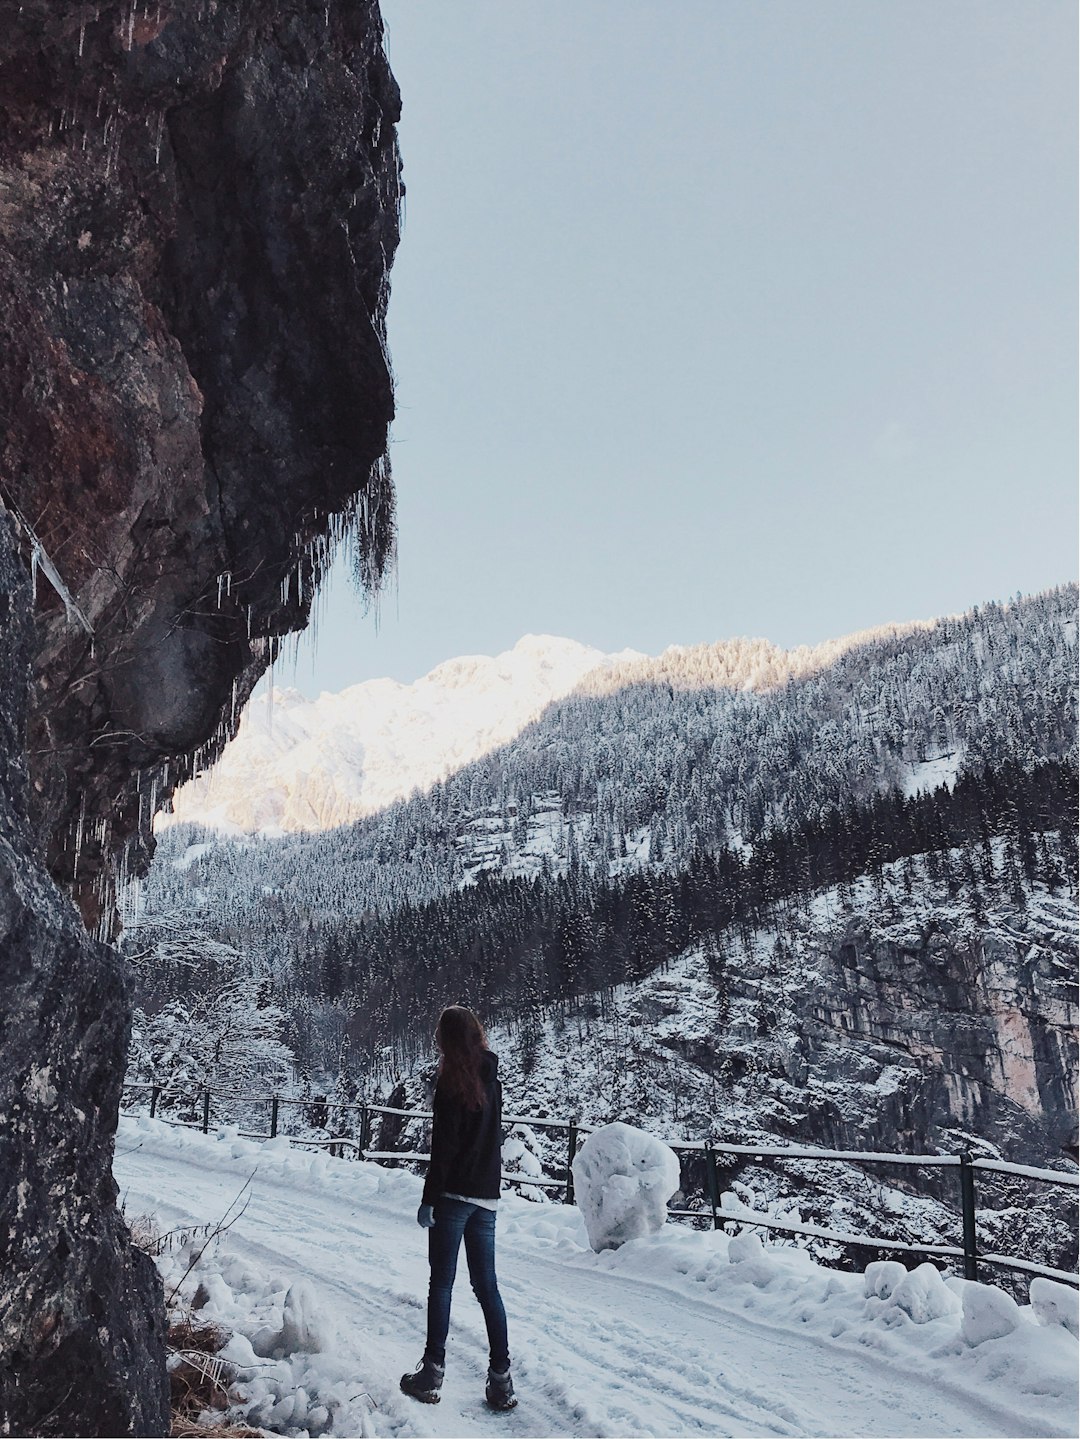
(1055, 1303)
(623, 1179)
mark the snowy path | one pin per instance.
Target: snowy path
(611, 1345)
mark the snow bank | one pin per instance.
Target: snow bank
(305, 1364)
(921, 1295)
(623, 1179)
(278, 1377)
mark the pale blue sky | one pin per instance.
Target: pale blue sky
(720, 317)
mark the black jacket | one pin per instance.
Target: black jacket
(466, 1144)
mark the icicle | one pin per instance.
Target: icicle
(40, 560)
(270, 690)
(79, 837)
(82, 38)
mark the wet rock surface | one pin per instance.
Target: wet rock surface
(199, 207)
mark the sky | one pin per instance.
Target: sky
(722, 317)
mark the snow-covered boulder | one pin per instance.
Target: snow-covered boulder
(1055, 1303)
(989, 1313)
(754, 1263)
(623, 1179)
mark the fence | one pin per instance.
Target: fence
(966, 1164)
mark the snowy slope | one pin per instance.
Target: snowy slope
(299, 764)
(682, 1333)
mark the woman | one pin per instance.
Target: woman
(461, 1196)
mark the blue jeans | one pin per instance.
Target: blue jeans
(454, 1219)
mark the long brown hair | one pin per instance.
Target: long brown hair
(462, 1043)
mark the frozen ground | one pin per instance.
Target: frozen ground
(323, 1279)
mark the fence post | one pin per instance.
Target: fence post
(154, 1093)
(273, 1116)
(206, 1111)
(365, 1131)
(967, 1203)
(710, 1182)
(571, 1151)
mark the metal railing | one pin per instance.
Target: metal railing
(967, 1165)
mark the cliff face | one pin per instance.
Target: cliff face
(199, 205)
(918, 1030)
(198, 210)
(82, 1323)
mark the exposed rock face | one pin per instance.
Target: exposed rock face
(934, 1036)
(198, 211)
(888, 1032)
(82, 1323)
(199, 207)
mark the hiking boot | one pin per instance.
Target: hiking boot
(499, 1391)
(425, 1382)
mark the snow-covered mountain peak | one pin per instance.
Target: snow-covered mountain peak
(311, 764)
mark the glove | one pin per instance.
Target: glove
(425, 1216)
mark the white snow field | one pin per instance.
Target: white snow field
(323, 1281)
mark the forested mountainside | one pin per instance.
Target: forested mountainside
(654, 768)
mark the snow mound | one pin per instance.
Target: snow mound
(301, 1329)
(989, 1313)
(1054, 1303)
(882, 1277)
(623, 1179)
(921, 1296)
(286, 1371)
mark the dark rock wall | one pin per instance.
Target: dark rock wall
(82, 1323)
(199, 206)
(198, 211)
